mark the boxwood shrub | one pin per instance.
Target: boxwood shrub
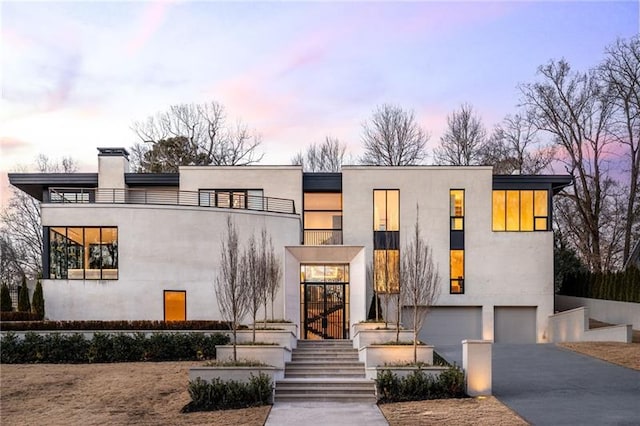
(102, 347)
(419, 386)
(228, 394)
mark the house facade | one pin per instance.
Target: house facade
(128, 246)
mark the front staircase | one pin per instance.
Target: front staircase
(325, 370)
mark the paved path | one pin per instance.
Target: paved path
(548, 385)
(325, 413)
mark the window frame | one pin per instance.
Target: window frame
(535, 218)
(164, 304)
(386, 210)
(459, 281)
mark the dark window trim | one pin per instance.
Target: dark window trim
(549, 215)
(452, 217)
(386, 206)
(460, 283)
(164, 302)
(47, 253)
(464, 273)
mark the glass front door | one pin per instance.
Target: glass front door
(325, 301)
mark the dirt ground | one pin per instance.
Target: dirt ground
(469, 411)
(625, 354)
(154, 393)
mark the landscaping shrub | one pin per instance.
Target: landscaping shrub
(37, 304)
(16, 318)
(621, 286)
(114, 325)
(23, 297)
(6, 305)
(75, 348)
(419, 386)
(223, 395)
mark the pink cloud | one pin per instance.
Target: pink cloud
(152, 18)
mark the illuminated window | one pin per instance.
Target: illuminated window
(322, 218)
(78, 253)
(386, 271)
(386, 210)
(456, 260)
(456, 209)
(175, 305)
(520, 210)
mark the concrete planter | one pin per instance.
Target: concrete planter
(288, 326)
(379, 355)
(360, 326)
(280, 337)
(88, 334)
(241, 374)
(372, 372)
(275, 356)
(371, 337)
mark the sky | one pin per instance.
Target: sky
(76, 75)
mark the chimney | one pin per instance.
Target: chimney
(113, 163)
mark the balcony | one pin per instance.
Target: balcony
(168, 198)
(323, 237)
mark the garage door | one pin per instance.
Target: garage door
(515, 324)
(446, 325)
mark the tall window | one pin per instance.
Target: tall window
(78, 253)
(386, 210)
(322, 218)
(386, 271)
(456, 209)
(175, 305)
(520, 210)
(456, 269)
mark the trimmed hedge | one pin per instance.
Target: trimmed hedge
(14, 316)
(110, 325)
(229, 394)
(621, 286)
(419, 386)
(103, 347)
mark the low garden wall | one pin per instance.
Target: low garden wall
(603, 310)
(573, 326)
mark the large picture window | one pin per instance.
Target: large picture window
(520, 210)
(83, 253)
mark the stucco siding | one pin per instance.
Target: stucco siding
(160, 248)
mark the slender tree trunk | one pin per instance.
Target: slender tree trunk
(415, 333)
(235, 354)
(398, 318)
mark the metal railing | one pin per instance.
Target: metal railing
(322, 237)
(170, 198)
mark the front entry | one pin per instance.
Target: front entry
(324, 291)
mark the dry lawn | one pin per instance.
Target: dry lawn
(154, 393)
(624, 354)
(469, 411)
(100, 394)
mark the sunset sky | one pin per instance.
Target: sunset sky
(75, 75)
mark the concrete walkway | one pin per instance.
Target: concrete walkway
(325, 413)
(547, 385)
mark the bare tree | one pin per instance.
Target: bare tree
(420, 281)
(204, 132)
(464, 139)
(392, 137)
(254, 274)
(620, 71)
(327, 156)
(21, 227)
(230, 289)
(273, 277)
(514, 147)
(575, 109)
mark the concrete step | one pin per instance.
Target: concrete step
(327, 397)
(286, 386)
(323, 373)
(296, 356)
(324, 363)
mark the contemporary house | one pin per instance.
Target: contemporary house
(120, 245)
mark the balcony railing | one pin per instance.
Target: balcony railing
(169, 198)
(322, 237)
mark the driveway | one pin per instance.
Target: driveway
(547, 385)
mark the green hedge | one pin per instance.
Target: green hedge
(222, 395)
(105, 325)
(75, 348)
(620, 286)
(419, 386)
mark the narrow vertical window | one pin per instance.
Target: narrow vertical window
(541, 199)
(457, 271)
(386, 271)
(456, 209)
(386, 210)
(499, 211)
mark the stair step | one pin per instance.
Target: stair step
(311, 390)
(329, 397)
(322, 374)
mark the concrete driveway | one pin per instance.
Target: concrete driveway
(547, 385)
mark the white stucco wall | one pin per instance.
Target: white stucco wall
(501, 268)
(159, 248)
